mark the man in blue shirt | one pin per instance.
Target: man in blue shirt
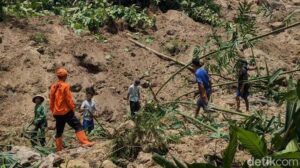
(204, 85)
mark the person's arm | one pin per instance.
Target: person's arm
(69, 98)
(51, 98)
(82, 107)
(129, 92)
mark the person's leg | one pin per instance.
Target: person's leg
(33, 139)
(247, 103)
(131, 104)
(76, 125)
(199, 105)
(92, 126)
(238, 101)
(73, 122)
(43, 136)
(136, 107)
(60, 126)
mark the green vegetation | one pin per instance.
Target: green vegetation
(39, 38)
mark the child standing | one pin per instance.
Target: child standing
(40, 122)
(88, 107)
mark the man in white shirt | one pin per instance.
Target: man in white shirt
(134, 97)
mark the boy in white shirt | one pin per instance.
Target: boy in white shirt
(88, 107)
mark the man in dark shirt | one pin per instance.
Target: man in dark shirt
(243, 86)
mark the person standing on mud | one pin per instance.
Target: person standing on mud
(39, 122)
(204, 86)
(243, 86)
(134, 97)
(88, 108)
(63, 109)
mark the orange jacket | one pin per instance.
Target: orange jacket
(61, 100)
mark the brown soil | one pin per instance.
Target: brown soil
(27, 68)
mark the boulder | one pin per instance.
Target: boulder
(76, 87)
(75, 164)
(108, 164)
(25, 155)
(51, 161)
(277, 25)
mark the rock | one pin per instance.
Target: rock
(171, 32)
(108, 164)
(108, 57)
(107, 114)
(277, 25)
(145, 85)
(92, 66)
(80, 56)
(51, 161)
(76, 87)
(132, 54)
(41, 50)
(144, 157)
(25, 155)
(76, 163)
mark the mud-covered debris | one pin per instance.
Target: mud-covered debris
(76, 87)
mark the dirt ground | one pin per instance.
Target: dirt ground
(27, 68)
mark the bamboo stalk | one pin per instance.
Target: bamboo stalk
(164, 84)
(158, 53)
(226, 47)
(199, 122)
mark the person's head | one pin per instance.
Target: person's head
(62, 74)
(89, 96)
(196, 63)
(242, 63)
(38, 99)
(137, 82)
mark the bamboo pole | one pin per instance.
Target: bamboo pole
(199, 122)
(226, 47)
(158, 53)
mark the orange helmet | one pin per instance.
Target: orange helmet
(61, 72)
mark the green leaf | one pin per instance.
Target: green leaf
(178, 163)
(252, 142)
(230, 150)
(201, 165)
(274, 76)
(290, 155)
(291, 147)
(298, 89)
(162, 161)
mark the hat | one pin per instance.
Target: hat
(61, 72)
(38, 96)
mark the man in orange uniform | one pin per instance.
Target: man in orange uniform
(63, 108)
